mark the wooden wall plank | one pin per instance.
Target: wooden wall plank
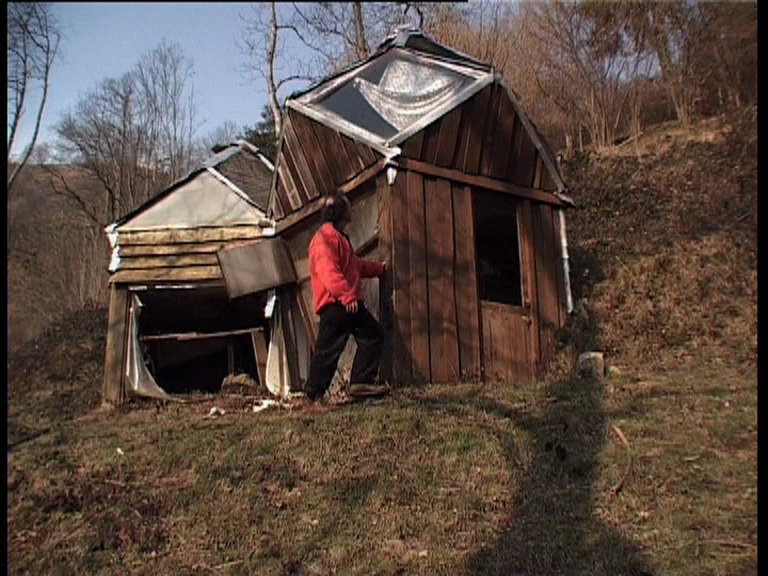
(546, 278)
(502, 140)
(367, 154)
(117, 340)
(162, 261)
(413, 146)
(528, 265)
(176, 249)
(386, 310)
(419, 295)
(443, 338)
(330, 151)
(547, 182)
(489, 134)
(513, 161)
(431, 137)
(402, 356)
(473, 144)
(526, 162)
(304, 172)
(356, 159)
(313, 152)
(505, 353)
(293, 172)
(465, 285)
(186, 274)
(182, 235)
(449, 134)
(480, 181)
(287, 188)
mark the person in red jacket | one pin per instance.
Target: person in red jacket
(335, 275)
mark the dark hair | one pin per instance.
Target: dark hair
(335, 208)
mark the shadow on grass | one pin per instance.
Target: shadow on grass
(555, 528)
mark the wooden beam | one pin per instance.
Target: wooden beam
(480, 181)
(197, 335)
(174, 236)
(163, 261)
(317, 204)
(188, 274)
(114, 360)
(175, 249)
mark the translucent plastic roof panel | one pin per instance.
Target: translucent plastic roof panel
(393, 92)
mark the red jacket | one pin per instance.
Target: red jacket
(335, 270)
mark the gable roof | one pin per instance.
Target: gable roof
(408, 83)
(231, 187)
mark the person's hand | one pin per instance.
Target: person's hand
(351, 307)
(383, 268)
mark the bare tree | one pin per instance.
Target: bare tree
(262, 42)
(135, 133)
(221, 135)
(33, 42)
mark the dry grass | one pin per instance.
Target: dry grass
(442, 480)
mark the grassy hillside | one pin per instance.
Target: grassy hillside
(652, 470)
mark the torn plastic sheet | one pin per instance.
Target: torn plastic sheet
(407, 91)
(139, 378)
(278, 379)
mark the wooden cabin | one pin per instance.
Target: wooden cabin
(453, 186)
(449, 182)
(172, 324)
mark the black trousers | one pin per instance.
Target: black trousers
(336, 325)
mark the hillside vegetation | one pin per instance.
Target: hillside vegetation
(652, 470)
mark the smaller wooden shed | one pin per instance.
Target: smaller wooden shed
(452, 185)
(172, 325)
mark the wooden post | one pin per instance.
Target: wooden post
(117, 342)
(386, 311)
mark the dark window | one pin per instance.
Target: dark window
(498, 248)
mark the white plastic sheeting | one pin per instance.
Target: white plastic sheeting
(409, 90)
(203, 201)
(140, 379)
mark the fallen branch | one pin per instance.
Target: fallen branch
(623, 439)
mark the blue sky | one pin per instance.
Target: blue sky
(106, 39)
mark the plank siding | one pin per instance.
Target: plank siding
(329, 151)
(443, 338)
(447, 140)
(474, 142)
(489, 133)
(505, 125)
(417, 278)
(528, 265)
(431, 137)
(402, 355)
(313, 152)
(185, 274)
(303, 171)
(386, 289)
(114, 361)
(162, 261)
(526, 162)
(357, 162)
(465, 285)
(546, 278)
(294, 173)
(505, 350)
